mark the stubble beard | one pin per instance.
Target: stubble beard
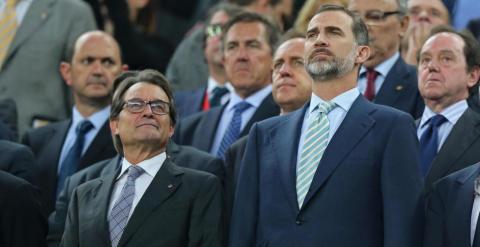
(327, 70)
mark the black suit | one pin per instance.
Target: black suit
(17, 160)
(400, 90)
(47, 142)
(233, 159)
(181, 207)
(199, 130)
(187, 156)
(460, 149)
(21, 221)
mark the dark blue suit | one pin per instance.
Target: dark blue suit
(449, 209)
(189, 102)
(366, 191)
(400, 90)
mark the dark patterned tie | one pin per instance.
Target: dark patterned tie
(217, 94)
(370, 90)
(72, 161)
(233, 129)
(429, 142)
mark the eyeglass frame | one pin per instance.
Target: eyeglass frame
(144, 104)
(383, 15)
(214, 30)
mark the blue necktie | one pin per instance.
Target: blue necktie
(429, 142)
(233, 129)
(72, 161)
(118, 218)
(217, 94)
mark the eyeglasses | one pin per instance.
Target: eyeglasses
(158, 107)
(214, 30)
(376, 16)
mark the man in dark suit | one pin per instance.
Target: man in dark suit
(366, 192)
(21, 220)
(17, 160)
(148, 188)
(453, 208)
(247, 50)
(215, 90)
(449, 130)
(90, 73)
(385, 78)
(186, 156)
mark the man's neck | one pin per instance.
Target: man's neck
(217, 73)
(327, 90)
(88, 110)
(138, 153)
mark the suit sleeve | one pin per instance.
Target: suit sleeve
(56, 221)
(71, 233)
(434, 221)
(243, 225)
(23, 164)
(207, 222)
(401, 184)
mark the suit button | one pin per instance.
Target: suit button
(299, 221)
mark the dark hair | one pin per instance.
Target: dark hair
(359, 29)
(249, 2)
(288, 35)
(126, 80)
(271, 31)
(471, 49)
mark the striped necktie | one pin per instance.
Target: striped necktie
(8, 27)
(316, 140)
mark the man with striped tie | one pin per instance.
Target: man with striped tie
(340, 171)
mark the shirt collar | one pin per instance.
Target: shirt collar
(212, 84)
(150, 166)
(343, 100)
(97, 119)
(384, 67)
(452, 113)
(255, 99)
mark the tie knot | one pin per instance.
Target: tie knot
(326, 107)
(219, 91)
(83, 127)
(437, 120)
(134, 172)
(241, 106)
(371, 74)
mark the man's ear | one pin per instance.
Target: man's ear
(404, 26)
(363, 53)
(124, 67)
(114, 126)
(65, 71)
(473, 76)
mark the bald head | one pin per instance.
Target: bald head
(97, 37)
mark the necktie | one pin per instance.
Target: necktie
(370, 90)
(217, 94)
(233, 129)
(8, 27)
(72, 160)
(429, 142)
(121, 209)
(316, 140)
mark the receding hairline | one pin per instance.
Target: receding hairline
(85, 37)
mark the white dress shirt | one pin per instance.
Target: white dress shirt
(475, 212)
(212, 84)
(335, 117)
(451, 113)
(150, 166)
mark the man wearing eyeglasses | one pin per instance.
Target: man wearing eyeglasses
(385, 78)
(149, 201)
(65, 147)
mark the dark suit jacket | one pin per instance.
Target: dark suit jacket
(189, 102)
(460, 149)
(199, 130)
(400, 90)
(187, 156)
(17, 160)
(233, 160)
(366, 191)
(47, 142)
(181, 207)
(449, 209)
(21, 221)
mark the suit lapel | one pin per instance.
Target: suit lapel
(101, 199)
(356, 124)
(465, 132)
(462, 210)
(268, 108)
(206, 130)
(285, 146)
(100, 143)
(394, 84)
(165, 183)
(36, 16)
(52, 155)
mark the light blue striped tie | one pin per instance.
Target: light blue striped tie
(121, 209)
(233, 129)
(316, 140)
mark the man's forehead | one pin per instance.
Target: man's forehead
(444, 42)
(245, 31)
(331, 18)
(290, 48)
